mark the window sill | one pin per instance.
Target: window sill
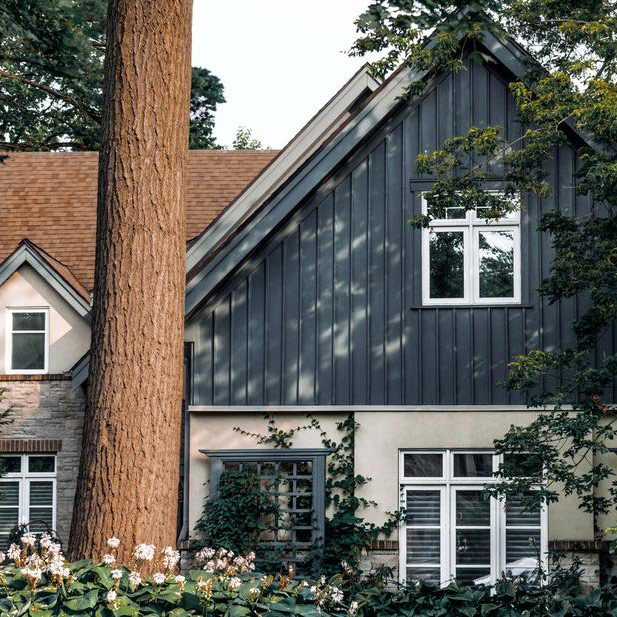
(415, 307)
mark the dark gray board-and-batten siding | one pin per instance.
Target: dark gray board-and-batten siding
(328, 310)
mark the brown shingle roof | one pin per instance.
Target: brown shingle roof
(50, 199)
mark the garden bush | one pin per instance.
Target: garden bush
(36, 580)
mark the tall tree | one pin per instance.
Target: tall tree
(129, 472)
(573, 84)
(244, 140)
(51, 77)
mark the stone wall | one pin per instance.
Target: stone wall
(45, 407)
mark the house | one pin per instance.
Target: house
(307, 292)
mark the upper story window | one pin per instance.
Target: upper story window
(468, 258)
(27, 340)
(452, 531)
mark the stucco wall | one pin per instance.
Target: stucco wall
(387, 432)
(216, 431)
(69, 332)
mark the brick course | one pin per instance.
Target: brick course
(47, 411)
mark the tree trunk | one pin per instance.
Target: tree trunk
(129, 472)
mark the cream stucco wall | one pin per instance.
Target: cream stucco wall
(215, 431)
(69, 332)
(382, 434)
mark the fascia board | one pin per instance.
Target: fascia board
(26, 255)
(299, 149)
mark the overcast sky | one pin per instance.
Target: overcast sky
(279, 60)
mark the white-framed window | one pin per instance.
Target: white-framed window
(470, 259)
(27, 341)
(27, 493)
(452, 531)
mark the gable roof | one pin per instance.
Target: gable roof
(208, 264)
(50, 198)
(51, 270)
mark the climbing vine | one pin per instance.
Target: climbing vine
(348, 536)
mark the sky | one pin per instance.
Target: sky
(279, 60)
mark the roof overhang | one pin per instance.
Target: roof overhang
(28, 254)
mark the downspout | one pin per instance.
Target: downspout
(186, 417)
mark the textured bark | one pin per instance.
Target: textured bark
(129, 472)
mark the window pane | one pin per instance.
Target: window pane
(41, 493)
(423, 465)
(451, 212)
(472, 508)
(40, 520)
(473, 465)
(11, 464)
(9, 493)
(473, 546)
(9, 518)
(41, 464)
(496, 255)
(423, 574)
(29, 321)
(520, 514)
(28, 352)
(473, 576)
(423, 545)
(423, 508)
(522, 547)
(447, 264)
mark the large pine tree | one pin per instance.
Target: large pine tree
(129, 472)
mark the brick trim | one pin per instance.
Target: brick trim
(384, 545)
(30, 445)
(582, 546)
(46, 377)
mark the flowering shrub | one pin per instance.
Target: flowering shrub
(36, 580)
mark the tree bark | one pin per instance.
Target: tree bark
(129, 472)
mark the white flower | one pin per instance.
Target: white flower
(158, 578)
(111, 596)
(234, 583)
(113, 543)
(116, 574)
(209, 567)
(108, 559)
(134, 579)
(180, 579)
(337, 594)
(2, 556)
(254, 591)
(29, 539)
(14, 552)
(144, 552)
(171, 557)
(32, 574)
(353, 608)
(46, 540)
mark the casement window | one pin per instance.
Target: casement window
(295, 478)
(452, 531)
(27, 340)
(27, 494)
(470, 259)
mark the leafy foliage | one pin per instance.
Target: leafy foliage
(244, 140)
(234, 517)
(51, 75)
(573, 86)
(347, 534)
(86, 588)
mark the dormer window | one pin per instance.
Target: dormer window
(27, 340)
(468, 258)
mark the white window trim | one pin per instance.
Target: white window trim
(8, 346)
(471, 226)
(448, 485)
(24, 477)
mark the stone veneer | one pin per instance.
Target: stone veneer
(47, 408)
